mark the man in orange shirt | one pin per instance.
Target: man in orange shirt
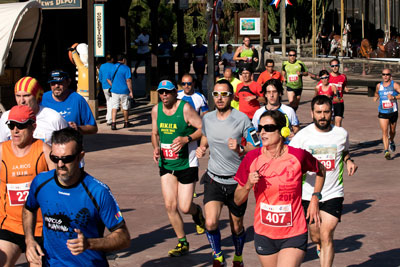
(23, 157)
(269, 73)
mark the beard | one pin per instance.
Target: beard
(224, 109)
(322, 127)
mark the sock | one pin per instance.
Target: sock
(214, 237)
(237, 258)
(238, 241)
(183, 240)
(196, 217)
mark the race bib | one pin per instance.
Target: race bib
(168, 153)
(199, 58)
(328, 160)
(276, 215)
(39, 135)
(293, 78)
(387, 104)
(18, 193)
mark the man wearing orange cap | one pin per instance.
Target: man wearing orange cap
(23, 157)
(28, 92)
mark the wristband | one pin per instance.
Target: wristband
(349, 158)
(189, 138)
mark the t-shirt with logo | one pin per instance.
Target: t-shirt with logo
(293, 80)
(88, 206)
(266, 76)
(385, 104)
(328, 148)
(279, 213)
(196, 100)
(244, 90)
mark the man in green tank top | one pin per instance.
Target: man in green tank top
(293, 71)
(175, 128)
(246, 55)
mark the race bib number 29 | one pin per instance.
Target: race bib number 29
(18, 193)
(276, 215)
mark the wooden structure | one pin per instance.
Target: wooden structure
(251, 14)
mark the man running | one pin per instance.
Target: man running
(293, 71)
(387, 92)
(195, 99)
(228, 75)
(269, 73)
(175, 128)
(23, 157)
(223, 130)
(330, 145)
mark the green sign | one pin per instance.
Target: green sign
(61, 4)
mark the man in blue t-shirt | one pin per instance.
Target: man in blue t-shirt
(121, 89)
(75, 209)
(72, 106)
(105, 71)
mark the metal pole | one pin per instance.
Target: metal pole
(388, 16)
(92, 77)
(314, 30)
(283, 27)
(261, 56)
(341, 25)
(210, 56)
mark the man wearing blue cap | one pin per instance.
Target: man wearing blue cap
(72, 106)
(175, 128)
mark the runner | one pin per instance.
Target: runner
(246, 55)
(387, 92)
(293, 72)
(273, 92)
(175, 128)
(330, 145)
(223, 130)
(228, 75)
(324, 87)
(269, 73)
(275, 172)
(199, 52)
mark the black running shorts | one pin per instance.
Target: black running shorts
(332, 206)
(267, 246)
(392, 117)
(17, 239)
(186, 176)
(297, 91)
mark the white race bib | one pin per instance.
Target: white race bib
(168, 153)
(293, 78)
(18, 193)
(276, 215)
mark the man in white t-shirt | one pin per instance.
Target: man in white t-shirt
(28, 92)
(227, 59)
(143, 50)
(330, 145)
(273, 91)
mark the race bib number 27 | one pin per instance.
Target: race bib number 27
(18, 193)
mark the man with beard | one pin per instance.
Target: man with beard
(222, 131)
(175, 128)
(330, 145)
(75, 209)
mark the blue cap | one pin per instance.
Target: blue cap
(58, 76)
(165, 84)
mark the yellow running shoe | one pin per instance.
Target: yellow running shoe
(180, 250)
(200, 222)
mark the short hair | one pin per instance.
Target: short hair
(67, 135)
(109, 57)
(199, 38)
(246, 68)
(321, 100)
(246, 36)
(121, 57)
(229, 45)
(333, 60)
(227, 83)
(323, 72)
(278, 117)
(275, 83)
(269, 61)
(292, 50)
(187, 75)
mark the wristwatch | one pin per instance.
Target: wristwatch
(189, 138)
(348, 160)
(318, 194)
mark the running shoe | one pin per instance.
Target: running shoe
(180, 250)
(392, 146)
(201, 227)
(237, 264)
(387, 155)
(113, 126)
(218, 262)
(194, 195)
(127, 124)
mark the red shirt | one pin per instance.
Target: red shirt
(279, 213)
(329, 93)
(266, 76)
(242, 91)
(340, 82)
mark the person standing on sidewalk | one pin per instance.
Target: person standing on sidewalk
(143, 51)
(121, 90)
(105, 71)
(329, 144)
(222, 131)
(176, 127)
(387, 92)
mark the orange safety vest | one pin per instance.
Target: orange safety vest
(16, 175)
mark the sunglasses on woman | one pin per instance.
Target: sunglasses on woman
(268, 128)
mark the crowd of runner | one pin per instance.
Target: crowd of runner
(55, 212)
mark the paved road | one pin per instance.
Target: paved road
(367, 236)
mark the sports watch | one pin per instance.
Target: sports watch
(318, 194)
(189, 138)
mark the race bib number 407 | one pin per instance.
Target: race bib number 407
(276, 215)
(18, 193)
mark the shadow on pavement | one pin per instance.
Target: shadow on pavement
(357, 206)
(102, 141)
(390, 258)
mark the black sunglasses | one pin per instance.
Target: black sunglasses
(292, 55)
(20, 126)
(186, 83)
(386, 74)
(337, 65)
(324, 77)
(268, 127)
(64, 159)
(164, 91)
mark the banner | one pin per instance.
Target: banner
(60, 4)
(99, 49)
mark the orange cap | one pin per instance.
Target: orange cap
(21, 114)
(30, 85)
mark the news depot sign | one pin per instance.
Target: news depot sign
(61, 4)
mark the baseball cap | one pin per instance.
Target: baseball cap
(29, 85)
(58, 76)
(246, 68)
(165, 84)
(21, 114)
